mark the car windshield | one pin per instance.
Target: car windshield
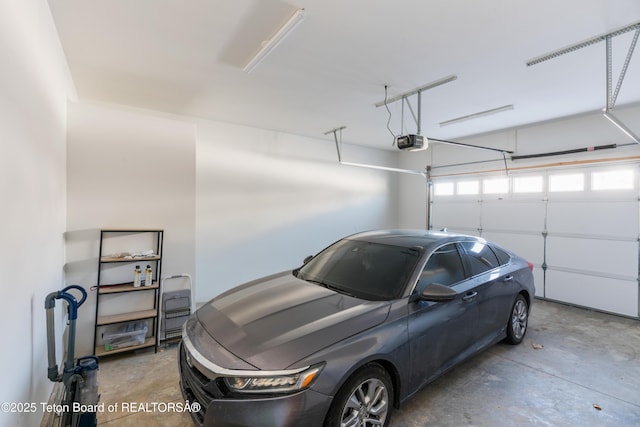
(362, 269)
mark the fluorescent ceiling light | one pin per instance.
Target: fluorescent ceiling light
(476, 115)
(273, 42)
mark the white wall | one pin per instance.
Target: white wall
(35, 84)
(268, 199)
(235, 202)
(127, 169)
(412, 191)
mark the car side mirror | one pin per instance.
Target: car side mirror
(307, 259)
(437, 293)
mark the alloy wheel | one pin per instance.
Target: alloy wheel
(367, 406)
(519, 318)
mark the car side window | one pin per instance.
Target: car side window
(444, 267)
(503, 257)
(480, 257)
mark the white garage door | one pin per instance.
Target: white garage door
(579, 227)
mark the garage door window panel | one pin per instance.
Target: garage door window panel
(495, 186)
(566, 183)
(528, 184)
(612, 180)
(443, 188)
(468, 188)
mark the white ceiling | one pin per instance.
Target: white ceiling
(186, 57)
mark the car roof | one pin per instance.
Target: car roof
(412, 237)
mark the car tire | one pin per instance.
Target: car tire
(367, 394)
(518, 321)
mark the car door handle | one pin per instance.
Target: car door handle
(469, 296)
(507, 279)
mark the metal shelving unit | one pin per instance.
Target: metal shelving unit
(113, 268)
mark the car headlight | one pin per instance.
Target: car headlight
(275, 383)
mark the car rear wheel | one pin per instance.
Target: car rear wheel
(365, 400)
(518, 321)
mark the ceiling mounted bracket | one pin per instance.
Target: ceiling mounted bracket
(335, 133)
(416, 119)
(582, 44)
(428, 86)
(404, 97)
(337, 137)
(611, 95)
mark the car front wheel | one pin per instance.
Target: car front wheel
(365, 400)
(517, 325)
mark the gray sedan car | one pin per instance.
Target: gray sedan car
(353, 333)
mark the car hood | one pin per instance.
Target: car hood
(276, 321)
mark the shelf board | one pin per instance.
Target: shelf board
(126, 317)
(106, 259)
(131, 230)
(149, 342)
(124, 287)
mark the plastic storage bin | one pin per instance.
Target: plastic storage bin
(126, 335)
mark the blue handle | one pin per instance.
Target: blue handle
(79, 288)
(71, 300)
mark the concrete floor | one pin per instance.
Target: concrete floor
(586, 374)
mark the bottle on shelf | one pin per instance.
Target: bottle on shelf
(136, 277)
(148, 276)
